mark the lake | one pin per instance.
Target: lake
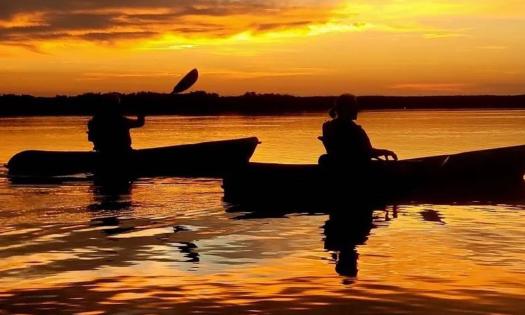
(171, 245)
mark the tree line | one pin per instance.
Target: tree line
(250, 103)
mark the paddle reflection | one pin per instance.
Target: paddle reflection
(113, 198)
(431, 215)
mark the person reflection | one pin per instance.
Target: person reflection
(109, 201)
(344, 230)
(112, 189)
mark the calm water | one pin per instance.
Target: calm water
(172, 244)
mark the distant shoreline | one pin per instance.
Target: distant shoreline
(206, 104)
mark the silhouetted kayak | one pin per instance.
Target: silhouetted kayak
(262, 182)
(207, 159)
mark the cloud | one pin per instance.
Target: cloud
(290, 72)
(26, 21)
(29, 23)
(493, 47)
(431, 87)
(96, 76)
(229, 74)
(8, 9)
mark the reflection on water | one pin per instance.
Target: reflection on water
(171, 245)
(343, 233)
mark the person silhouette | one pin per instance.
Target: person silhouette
(109, 130)
(346, 143)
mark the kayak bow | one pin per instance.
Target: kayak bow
(208, 159)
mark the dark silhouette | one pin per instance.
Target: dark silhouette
(346, 142)
(109, 129)
(109, 132)
(344, 231)
(112, 192)
(186, 82)
(206, 159)
(202, 103)
(431, 215)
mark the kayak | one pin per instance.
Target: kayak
(277, 183)
(207, 159)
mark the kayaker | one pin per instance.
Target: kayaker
(109, 129)
(345, 141)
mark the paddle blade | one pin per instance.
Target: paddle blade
(186, 82)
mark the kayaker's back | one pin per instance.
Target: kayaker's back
(346, 141)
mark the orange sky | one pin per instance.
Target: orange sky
(304, 47)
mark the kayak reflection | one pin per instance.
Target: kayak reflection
(350, 223)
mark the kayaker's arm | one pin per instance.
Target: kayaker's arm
(375, 153)
(136, 123)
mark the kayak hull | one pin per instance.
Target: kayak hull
(208, 159)
(262, 183)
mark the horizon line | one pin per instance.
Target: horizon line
(259, 94)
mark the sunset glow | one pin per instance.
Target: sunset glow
(300, 47)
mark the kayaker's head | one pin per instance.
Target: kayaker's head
(112, 99)
(345, 107)
(109, 105)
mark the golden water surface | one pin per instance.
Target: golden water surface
(171, 245)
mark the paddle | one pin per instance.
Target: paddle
(186, 82)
